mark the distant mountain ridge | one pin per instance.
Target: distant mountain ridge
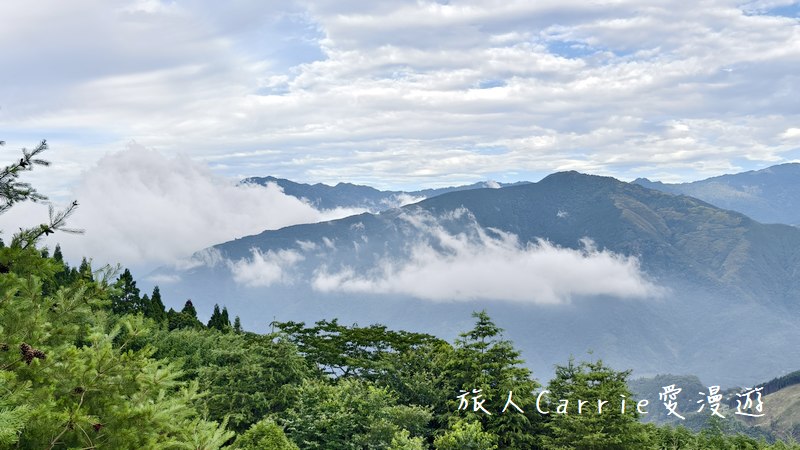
(770, 195)
(348, 195)
(732, 282)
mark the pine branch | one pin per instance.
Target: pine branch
(57, 222)
(11, 189)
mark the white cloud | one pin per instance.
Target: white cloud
(493, 265)
(141, 208)
(399, 200)
(390, 95)
(791, 133)
(264, 269)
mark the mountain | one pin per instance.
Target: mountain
(348, 195)
(770, 195)
(645, 279)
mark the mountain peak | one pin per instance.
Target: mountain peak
(575, 177)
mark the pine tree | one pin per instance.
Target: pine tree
(85, 270)
(188, 308)
(127, 300)
(226, 321)
(57, 255)
(155, 308)
(187, 318)
(237, 325)
(611, 429)
(485, 361)
(216, 319)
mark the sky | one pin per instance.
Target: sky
(392, 94)
(405, 94)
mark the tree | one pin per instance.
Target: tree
(188, 309)
(244, 376)
(70, 376)
(126, 300)
(608, 428)
(57, 255)
(237, 325)
(187, 318)
(265, 434)
(154, 309)
(351, 414)
(466, 435)
(11, 189)
(225, 320)
(219, 320)
(484, 360)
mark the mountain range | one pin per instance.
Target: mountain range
(644, 279)
(770, 195)
(348, 195)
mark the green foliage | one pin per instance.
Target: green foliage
(343, 351)
(219, 320)
(608, 429)
(126, 299)
(402, 440)
(244, 375)
(72, 375)
(265, 434)
(466, 435)
(11, 189)
(350, 414)
(14, 413)
(484, 361)
(187, 318)
(154, 309)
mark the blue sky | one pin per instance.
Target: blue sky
(402, 94)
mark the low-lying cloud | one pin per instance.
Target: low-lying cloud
(142, 208)
(264, 269)
(493, 265)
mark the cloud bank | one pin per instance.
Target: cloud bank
(498, 268)
(142, 208)
(474, 264)
(265, 269)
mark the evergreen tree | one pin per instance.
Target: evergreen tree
(237, 325)
(126, 300)
(225, 320)
(265, 434)
(188, 309)
(85, 269)
(483, 360)
(187, 318)
(216, 319)
(610, 429)
(219, 320)
(465, 435)
(154, 309)
(57, 255)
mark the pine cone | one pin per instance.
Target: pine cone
(3, 347)
(98, 426)
(78, 390)
(39, 354)
(27, 352)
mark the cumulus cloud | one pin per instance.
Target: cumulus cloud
(405, 94)
(494, 265)
(264, 269)
(142, 208)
